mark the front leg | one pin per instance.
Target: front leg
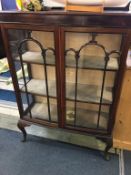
(109, 145)
(21, 125)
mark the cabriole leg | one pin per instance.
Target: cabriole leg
(108, 147)
(109, 144)
(21, 125)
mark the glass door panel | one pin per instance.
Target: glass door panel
(91, 65)
(33, 53)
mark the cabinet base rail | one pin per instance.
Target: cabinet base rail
(22, 124)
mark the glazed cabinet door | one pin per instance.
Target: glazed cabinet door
(33, 57)
(90, 66)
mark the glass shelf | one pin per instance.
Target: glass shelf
(36, 58)
(92, 62)
(38, 87)
(89, 93)
(40, 111)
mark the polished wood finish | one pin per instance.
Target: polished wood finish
(64, 18)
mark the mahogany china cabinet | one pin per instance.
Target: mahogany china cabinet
(67, 68)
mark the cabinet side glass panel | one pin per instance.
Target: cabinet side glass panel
(33, 53)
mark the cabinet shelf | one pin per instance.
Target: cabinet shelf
(92, 62)
(41, 87)
(89, 93)
(36, 58)
(40, 111)
(86, 118)
(86, 62)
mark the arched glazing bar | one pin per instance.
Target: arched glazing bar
(43, 53)
(77, 54)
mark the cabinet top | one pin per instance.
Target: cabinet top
(64, 18)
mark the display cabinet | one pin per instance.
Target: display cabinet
(71, 71)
